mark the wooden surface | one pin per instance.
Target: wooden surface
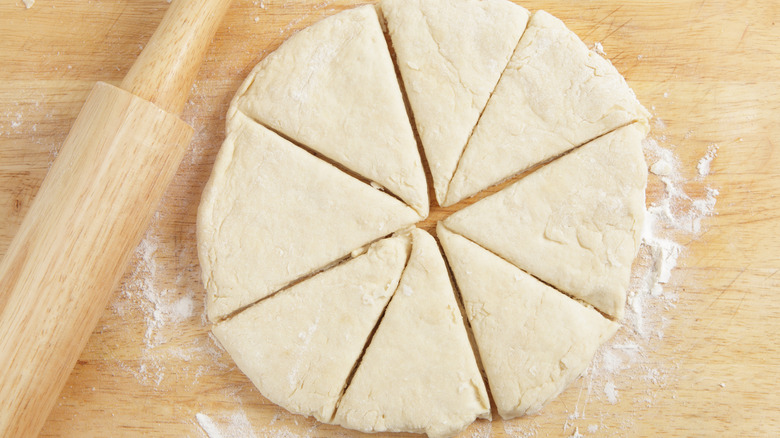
(91, 211)
(707, 71)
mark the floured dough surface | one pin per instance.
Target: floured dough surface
(575, 223)
(299, 346)
(450, 54)
(272, 213)
(554, 95)
(318, 285)
(533, 340)
(419, 373)
(332, 87)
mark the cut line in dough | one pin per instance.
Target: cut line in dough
(419, 373)
(554, 95)
(247, 249)
(450, 54)
(533, 340)
(302, 363)
(323, 160)
(332, 86)
(579, 219)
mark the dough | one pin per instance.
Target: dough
(575, 223)
(377, 342)
(533, 340)
(451, 54)
(299, 346)
(554, 95)
(419, 373)
(272, 213)
(332, 87)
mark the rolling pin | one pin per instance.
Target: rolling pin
(91, 212)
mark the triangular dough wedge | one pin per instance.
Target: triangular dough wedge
(451, 54)
(272, 213)
(299, 346)
(419, 373)
(554, 95)
(533, 340)
(332, 87)
(575, 223)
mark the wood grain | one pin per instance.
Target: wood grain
(91, 211)
(73, 246)
(707, 70)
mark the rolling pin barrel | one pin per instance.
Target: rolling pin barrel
(91, 211)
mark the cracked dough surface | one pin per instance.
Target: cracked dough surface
(317, 284)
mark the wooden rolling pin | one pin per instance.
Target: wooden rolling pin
(91, 211)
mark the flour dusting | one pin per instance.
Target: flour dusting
(676, 216)
(166, 309)
(611, 392)
(704, 164)
(672, 218)
(233, 425)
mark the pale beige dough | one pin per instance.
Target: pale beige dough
(575, 223)
(419, 373)
(533, 340)
(450, 54)
(272, 213)
(277, 222)
(554, 95)
(333, 88)
(299, 346)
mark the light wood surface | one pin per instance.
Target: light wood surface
(75, 242)
(706, 69)
(91, 211)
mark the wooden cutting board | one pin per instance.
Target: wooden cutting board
(709, 362)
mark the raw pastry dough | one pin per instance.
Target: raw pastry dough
(299, 346)
(278, 222)
(332, 87)
(575, 223)
(272, 213)
(554, 95)
(451, 54)
(419, 373)
(533, 340)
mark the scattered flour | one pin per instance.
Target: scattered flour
(233, 425)
(208, 426)
(704, 164)
(28, 3)
(521, 428)
(165, 310)
(673, 217)
(611, 392)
